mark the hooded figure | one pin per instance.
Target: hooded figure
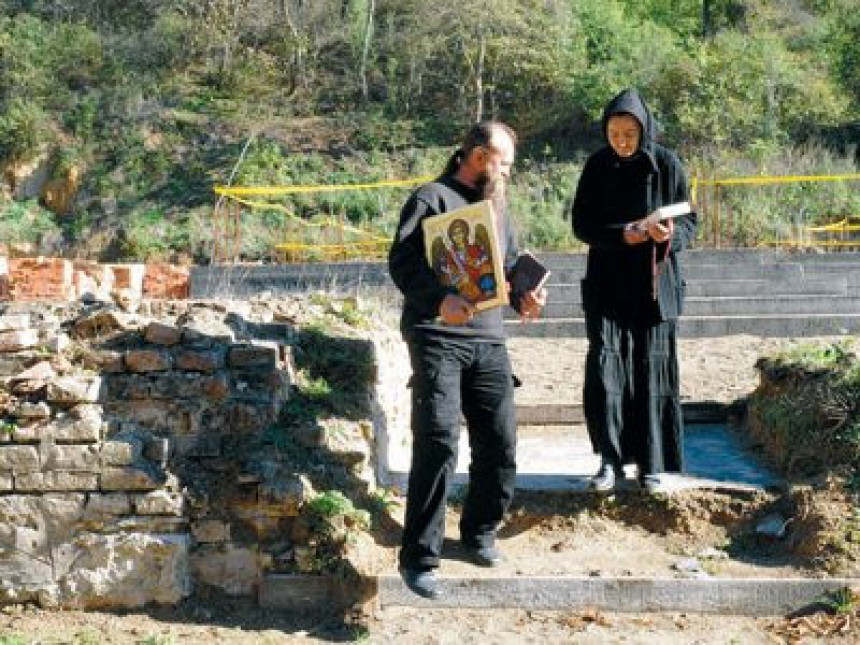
(632, 295)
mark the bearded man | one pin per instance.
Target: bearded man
(460, 365)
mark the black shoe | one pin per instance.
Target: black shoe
(422, 582)
(605, 478)
(483, 556)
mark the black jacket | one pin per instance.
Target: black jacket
(407, 264)
(612, 191)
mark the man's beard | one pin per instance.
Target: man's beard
(492, 188)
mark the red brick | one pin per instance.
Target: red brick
(5, 287)
(56, 279)
(40, 279)
(165, 281)
(127, 276)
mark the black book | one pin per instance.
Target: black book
(527, 274)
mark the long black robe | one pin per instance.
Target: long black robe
(632, 296)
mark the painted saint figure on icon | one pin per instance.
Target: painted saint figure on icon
(466, 264)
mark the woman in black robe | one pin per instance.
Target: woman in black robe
(632, 295)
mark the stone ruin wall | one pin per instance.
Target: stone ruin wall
(131, 463)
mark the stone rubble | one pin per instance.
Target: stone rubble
(132, 463)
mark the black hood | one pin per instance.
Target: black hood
(629, 102)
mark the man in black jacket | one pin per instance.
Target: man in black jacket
(460, 365)
(632, 295)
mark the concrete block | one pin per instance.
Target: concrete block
(73, 458)
(130, 479)
(203, 360)
(161, 334)
(298, 593)
(16, 340)
(159, 503)
(19, 458)
(210, 531)
(750, 597)
(55, 481)
(108, 504)
(147, 360)
(15, 322)
(75, 389)
(120, 452)
(253, 357)
(83, 424)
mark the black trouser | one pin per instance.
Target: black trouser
(451, 376)
(631, 396)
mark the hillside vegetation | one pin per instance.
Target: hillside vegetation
(120, 116)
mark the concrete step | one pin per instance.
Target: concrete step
(750, 596)
(759, 596)
(571, 414)
(837, 285)
(708, 273)
(770, 272)
(724, 257)
(749, 287)
(773, 325)
(725, 305)
(751, 257)
(559, 457)
(245, 281)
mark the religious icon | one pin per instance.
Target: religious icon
(463, 251)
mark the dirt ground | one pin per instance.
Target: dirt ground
(244, 624)
(712, 369)
(543, 536)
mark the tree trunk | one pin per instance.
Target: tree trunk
(479, 77)
(365, 50)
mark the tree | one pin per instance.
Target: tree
(844, 50)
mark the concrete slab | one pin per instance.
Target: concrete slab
(557, 414)
(772, 326)
(748, 597)
(295, 592)
(763, 304)
(559, 457)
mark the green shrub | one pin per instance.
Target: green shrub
(151, 236)
(13, 639)
(756, 214)
(333, 503)
(541, 196)
(808, 410)
(23, 129)
(27, 222)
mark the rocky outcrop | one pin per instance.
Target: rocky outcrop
(58, 193)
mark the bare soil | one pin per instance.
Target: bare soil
(545, 535)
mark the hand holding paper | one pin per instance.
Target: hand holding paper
(659, 225)
(668, 212)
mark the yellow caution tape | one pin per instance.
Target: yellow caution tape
(375, 241)
(773, 179)
(807, 243)
(842, 226)
(327, 223)
(234, 191)
(298, 246)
